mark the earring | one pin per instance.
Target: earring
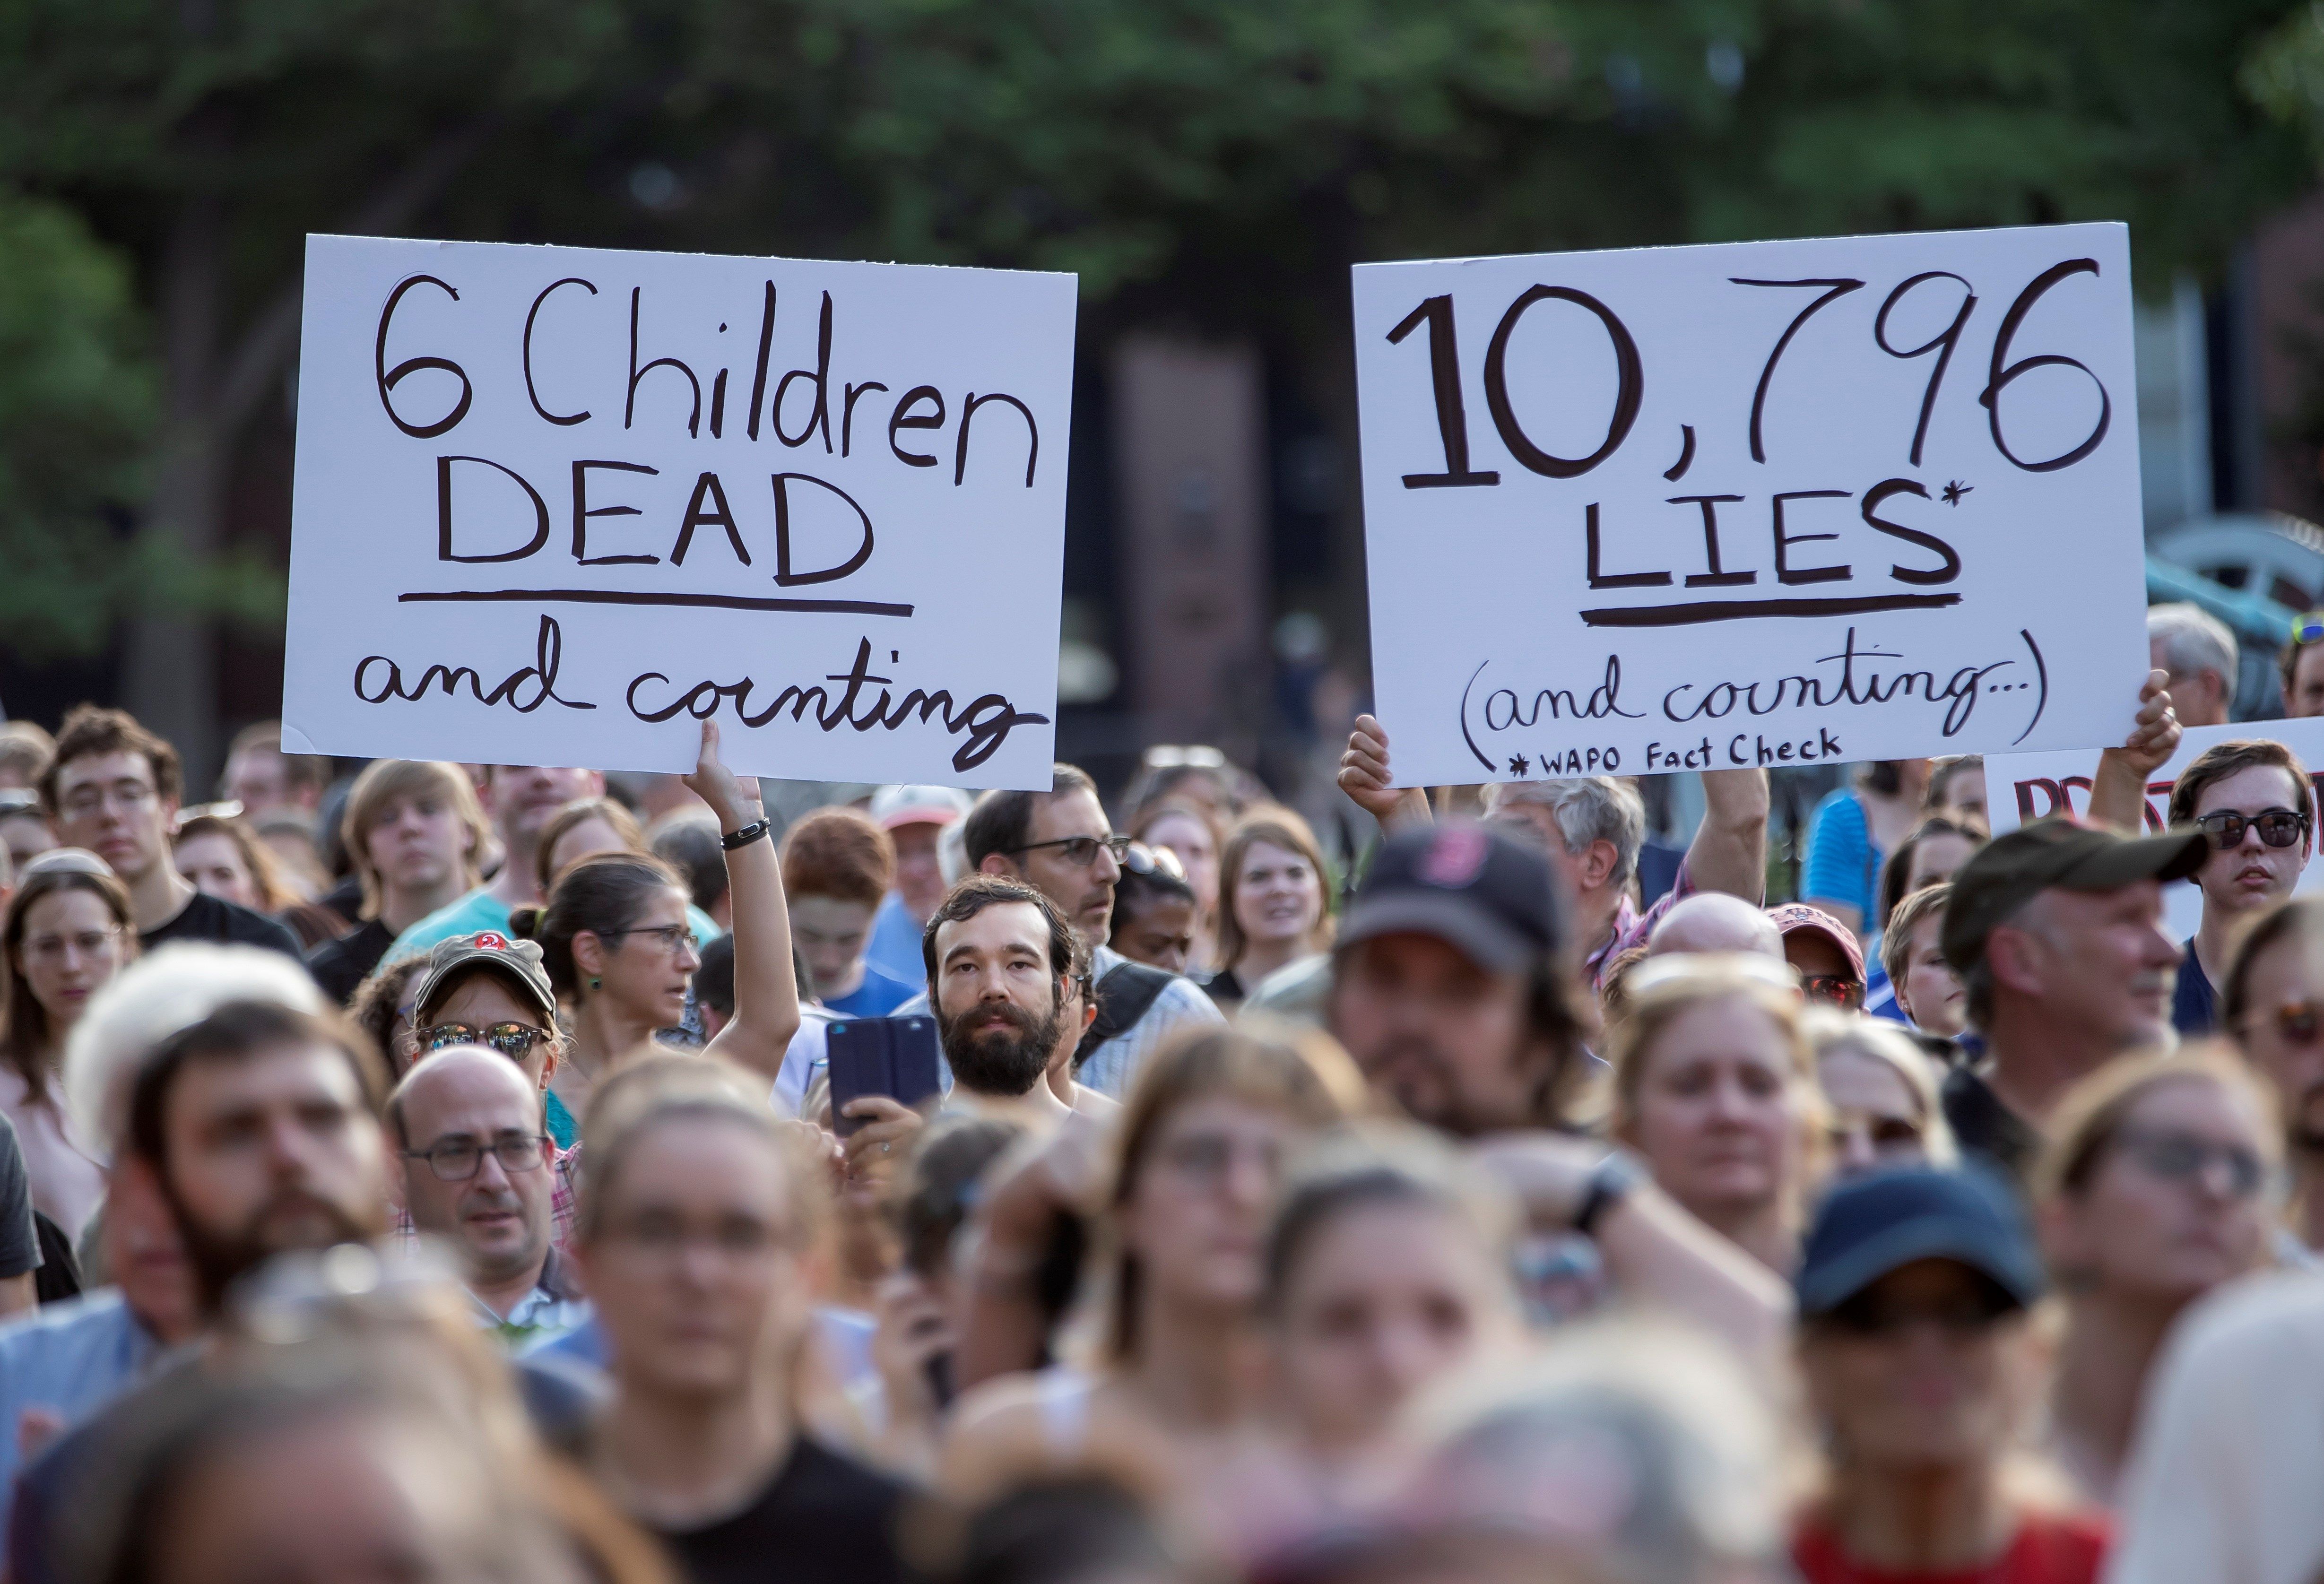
(596, 983)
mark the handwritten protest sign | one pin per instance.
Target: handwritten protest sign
(2023, 787)
(554, 505)
(1754, 504)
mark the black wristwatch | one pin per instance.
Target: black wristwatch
(747, 834)
(1610, 1182)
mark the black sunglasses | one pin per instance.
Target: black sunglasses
(2278, 827)
(1964, 1314)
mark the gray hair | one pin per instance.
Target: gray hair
(1589, 808)
(2193, 642)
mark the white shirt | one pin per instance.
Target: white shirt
(2227, 1467)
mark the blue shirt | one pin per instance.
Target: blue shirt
(2194, 1005)
(895, 946)
(1843, 865)
(70, 1358)
(881, 993)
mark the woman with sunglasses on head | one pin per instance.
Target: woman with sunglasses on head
(70, 930)
(620, 949)
(1189, 833)
(1275, 902)
(1921, 1373)
(1176, 1385)
(1715, 1088)
(1880, 1095)
(2252, 802)
(2273, 1004)
(2158, 1185)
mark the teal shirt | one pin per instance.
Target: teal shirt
(562, 1127)
(480, 910)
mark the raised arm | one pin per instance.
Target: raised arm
(2118, 790)
(766, 991)
(1364, 777)
(1729, 849)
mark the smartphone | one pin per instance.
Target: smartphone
(892, 1056)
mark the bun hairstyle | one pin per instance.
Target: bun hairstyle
(601, 895)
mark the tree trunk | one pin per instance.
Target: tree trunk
(171, 671)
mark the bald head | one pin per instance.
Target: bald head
(1713, 921)
(484, 1177)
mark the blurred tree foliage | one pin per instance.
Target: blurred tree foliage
(1208, 159)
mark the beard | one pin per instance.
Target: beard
(1006, 1057)
(291, 1219)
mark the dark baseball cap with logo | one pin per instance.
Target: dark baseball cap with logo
(518, 963)
(1493, 898)
(2059, 854)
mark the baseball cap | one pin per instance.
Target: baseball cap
(1469, 886)
(917, 806)
(1870, 1226)
(1798, 916)
(2013, 869)
(515, 961)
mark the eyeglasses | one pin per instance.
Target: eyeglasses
(51, 950)
(513, 1040)
(1967, 1313)
(1208, 1157)
(674, 937)
(128, 796)
(2296, 1023)
(1081, 852)
(1834, 990)
(661, 1237)
(2178, 1156)
(461, 1159)
(2278, 827)
(1172, 756)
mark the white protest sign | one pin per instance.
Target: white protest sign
(1763, 504)
(554, 505)
(2023, 787)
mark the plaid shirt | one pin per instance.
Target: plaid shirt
(1631, 927)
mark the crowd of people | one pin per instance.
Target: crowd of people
(431, 1171)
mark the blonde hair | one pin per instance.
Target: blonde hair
(1297, 1072)
(2091, 1116)
(388, 781)
(1653, 1006)
(1876, 1040)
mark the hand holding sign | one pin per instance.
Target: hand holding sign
(1749, 505)
(551, 502)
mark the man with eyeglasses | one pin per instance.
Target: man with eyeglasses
(1061, 843)
(475, 1169)
(2252, 800)
(114, 788)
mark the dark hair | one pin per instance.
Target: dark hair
(714, 982)
(838, 852)
(1002, 822)
(688, 843)
(379, 1000)
(1133, 894)
(603, 895)
(936, 1188)
(90, 730)
(1882, 776)
(976, 892)
(2295, 919)
(1368, 1166)
(236, 1032)
(1941, 774)
(580, 812)
(25, 1040)
(2221, 759)
(1895, 873)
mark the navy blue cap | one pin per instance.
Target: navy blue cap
(1493, 898)
(1878, 1223)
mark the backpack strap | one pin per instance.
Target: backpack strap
(1124, 995)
